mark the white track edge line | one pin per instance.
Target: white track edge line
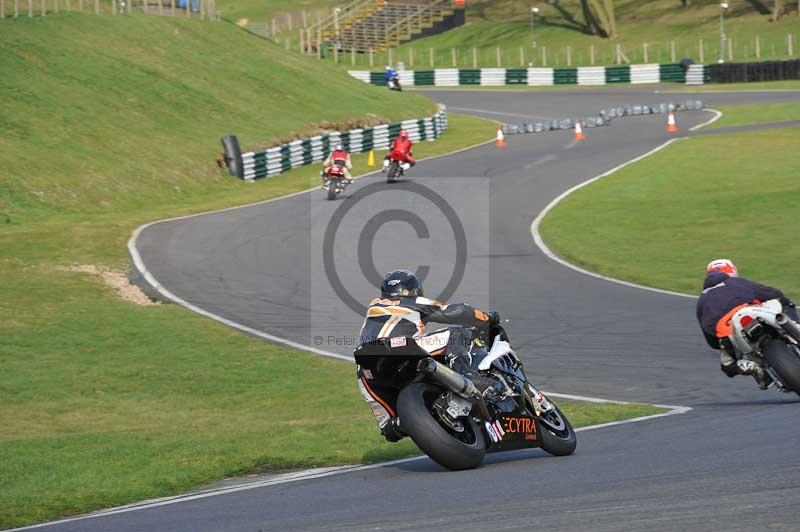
(316, 473)
(539, 241)
(717, 116)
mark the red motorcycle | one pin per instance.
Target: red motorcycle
(395, 166)
(334, 180)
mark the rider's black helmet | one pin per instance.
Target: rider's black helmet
(401, 283)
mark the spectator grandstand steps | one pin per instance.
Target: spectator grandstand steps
(381, 24)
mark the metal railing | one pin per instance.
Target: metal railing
(404, 28)
(341, 17)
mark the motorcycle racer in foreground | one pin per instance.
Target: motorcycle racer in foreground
(402, 310)
(724, 293)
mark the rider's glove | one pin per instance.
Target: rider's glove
(786, 302)
(494, 318)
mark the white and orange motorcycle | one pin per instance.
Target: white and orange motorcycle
(765, 334)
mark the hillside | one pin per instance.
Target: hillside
(260, 11)
(108, 113)
(559, 24)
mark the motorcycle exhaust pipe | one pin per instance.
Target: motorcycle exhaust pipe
(790, 326)
(455, 382)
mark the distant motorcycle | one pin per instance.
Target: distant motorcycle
(394, 84)
(457, 417)
(395, 166)
(768, 337)
(334, 180)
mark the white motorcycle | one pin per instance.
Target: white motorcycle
(764, 334)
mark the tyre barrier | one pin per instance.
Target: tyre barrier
(603, 118)
(751, 72)
(533, 76)
(274, 161)
(688, 73)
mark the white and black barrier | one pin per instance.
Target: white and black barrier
(278, 159)
(603, 118)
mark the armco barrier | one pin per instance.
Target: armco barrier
(451, 77)
(274, 161)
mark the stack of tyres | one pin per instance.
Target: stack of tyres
(565, 76)
(469, 76)
(672, 72)
(751, 72)
(376, 78)
(424, 77)
(618, 74)
(517, 76)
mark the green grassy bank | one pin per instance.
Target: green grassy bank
(659, 221)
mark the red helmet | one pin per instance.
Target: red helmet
(403, 134)
(724, 266)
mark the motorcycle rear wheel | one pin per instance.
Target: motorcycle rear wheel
(394, 169)
(556, 435)
(785, 362)
(439, 443)
(332, 184)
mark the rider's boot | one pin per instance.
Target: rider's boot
(748, 367)
(392, 430)
(388, 425)
(762, 378)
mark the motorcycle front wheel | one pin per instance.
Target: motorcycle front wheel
(451, 449)
(556, 435)
(785, 362)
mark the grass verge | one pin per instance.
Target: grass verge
(659, 221)
(757, 113)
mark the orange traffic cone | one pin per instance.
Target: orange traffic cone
(501, 139)
(579, 131)
(672, 126)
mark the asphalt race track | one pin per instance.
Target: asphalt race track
(732, 463)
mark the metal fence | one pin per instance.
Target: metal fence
(204, 9)
(757, 48)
